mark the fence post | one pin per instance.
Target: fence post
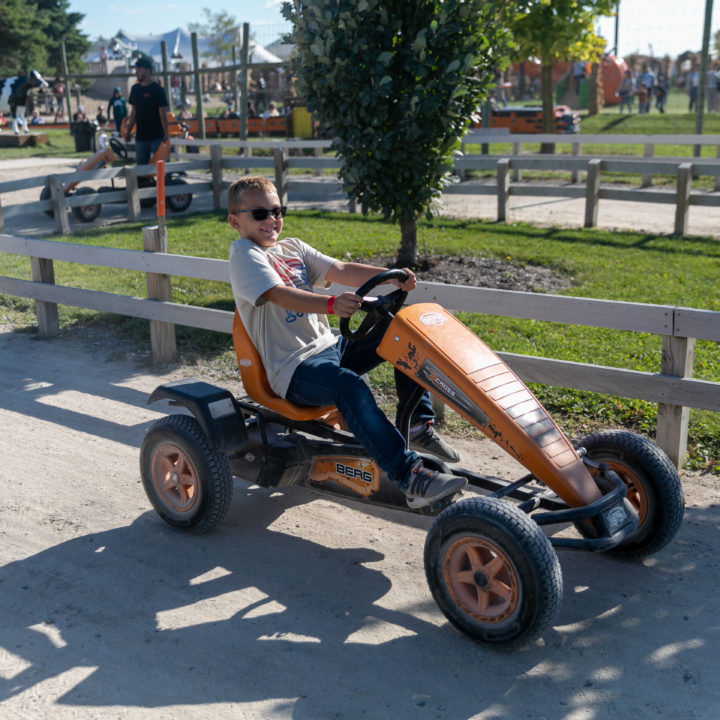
(716, 186)
(318, 151)
(133, 201)
(281, 174)
(2, 218)
(672, 420)
(517, 173)
(217, 175)
(503, 188)
(592, 192)
(682, 198)
(648, 151)
(59, 208)
(162, 334)
(46, 312)
(575, 174)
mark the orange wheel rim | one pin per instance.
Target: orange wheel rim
(481, 579)
(174, 478)
(635, 490)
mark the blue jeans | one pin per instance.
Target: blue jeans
(332, 377)
(144, 150)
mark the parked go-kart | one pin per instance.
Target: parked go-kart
(491, 569)
(108, 155)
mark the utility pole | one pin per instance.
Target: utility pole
(700, 107)
(617, 28)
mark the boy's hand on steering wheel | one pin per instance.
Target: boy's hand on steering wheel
(409, 284)
(346, 304)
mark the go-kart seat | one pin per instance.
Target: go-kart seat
(258, 388)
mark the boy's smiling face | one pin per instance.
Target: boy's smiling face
(262, 232)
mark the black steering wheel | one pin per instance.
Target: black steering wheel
(118, 148)
(378, 308)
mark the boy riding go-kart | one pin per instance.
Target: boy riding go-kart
(492, 570)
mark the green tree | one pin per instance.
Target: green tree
(397, 83)
(61, 23)
(553, 30)
(22, 40)
(222, 32)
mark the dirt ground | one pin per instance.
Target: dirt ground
(296, 605)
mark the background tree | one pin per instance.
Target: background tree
(31, 35)
(397, 83)
(553, 30)
(22, 42)
(222, 32)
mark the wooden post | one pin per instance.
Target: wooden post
(133, 201)
(318, 151)
(281, 174)
(165, 74)
(46, 312)
(717, 177)
(672, 420)
(244, 60)
(503, 188)
(575, 174)
(217, 175)
(2, 218)
(59, 208)
(517, 173)
(198, 87)
(162, 334)
(235, 86)
(648, 151)
(682, 198)
(592, 192)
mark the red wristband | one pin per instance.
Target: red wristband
(331, 305)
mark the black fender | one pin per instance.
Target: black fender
(214, 408)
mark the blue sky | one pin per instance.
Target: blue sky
(670, 26)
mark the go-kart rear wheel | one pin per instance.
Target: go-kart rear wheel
(187, 481)
(178, 203)
(653, 488)
(493, 572)
(86, 213)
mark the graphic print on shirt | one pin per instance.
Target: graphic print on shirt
(293, 273)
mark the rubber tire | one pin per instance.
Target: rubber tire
(46, 194)
(529, 564)
(178, 203)
(654, 488)
(209, 470)
(86, 213)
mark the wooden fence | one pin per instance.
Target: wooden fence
(288, 156)
(673, 388)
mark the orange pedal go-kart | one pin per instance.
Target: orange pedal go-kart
(113, 151)
(492, 570)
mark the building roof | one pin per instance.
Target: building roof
(179, 45)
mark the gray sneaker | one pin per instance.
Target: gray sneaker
(425, 439)
(428, 486)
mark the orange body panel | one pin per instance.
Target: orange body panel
(361, 475)
(97, 160)
(428, 344)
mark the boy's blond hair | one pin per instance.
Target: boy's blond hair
(246, 184)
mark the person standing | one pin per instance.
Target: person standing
(626, 91)
(149, 111)
(691, 86)
(117, 108)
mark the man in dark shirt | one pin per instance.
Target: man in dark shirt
(149, 110)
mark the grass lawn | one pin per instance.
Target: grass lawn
(610, 265)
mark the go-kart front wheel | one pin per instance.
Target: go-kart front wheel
(653, 488)
(493, 572)
(187, 481)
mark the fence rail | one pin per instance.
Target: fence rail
(673, 388)
(288, 157)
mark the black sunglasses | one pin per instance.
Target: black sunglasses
(261, 214)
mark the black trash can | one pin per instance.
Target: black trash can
(84, 135)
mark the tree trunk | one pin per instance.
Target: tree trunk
(548, 106)
(407, 256)
(596, 99)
